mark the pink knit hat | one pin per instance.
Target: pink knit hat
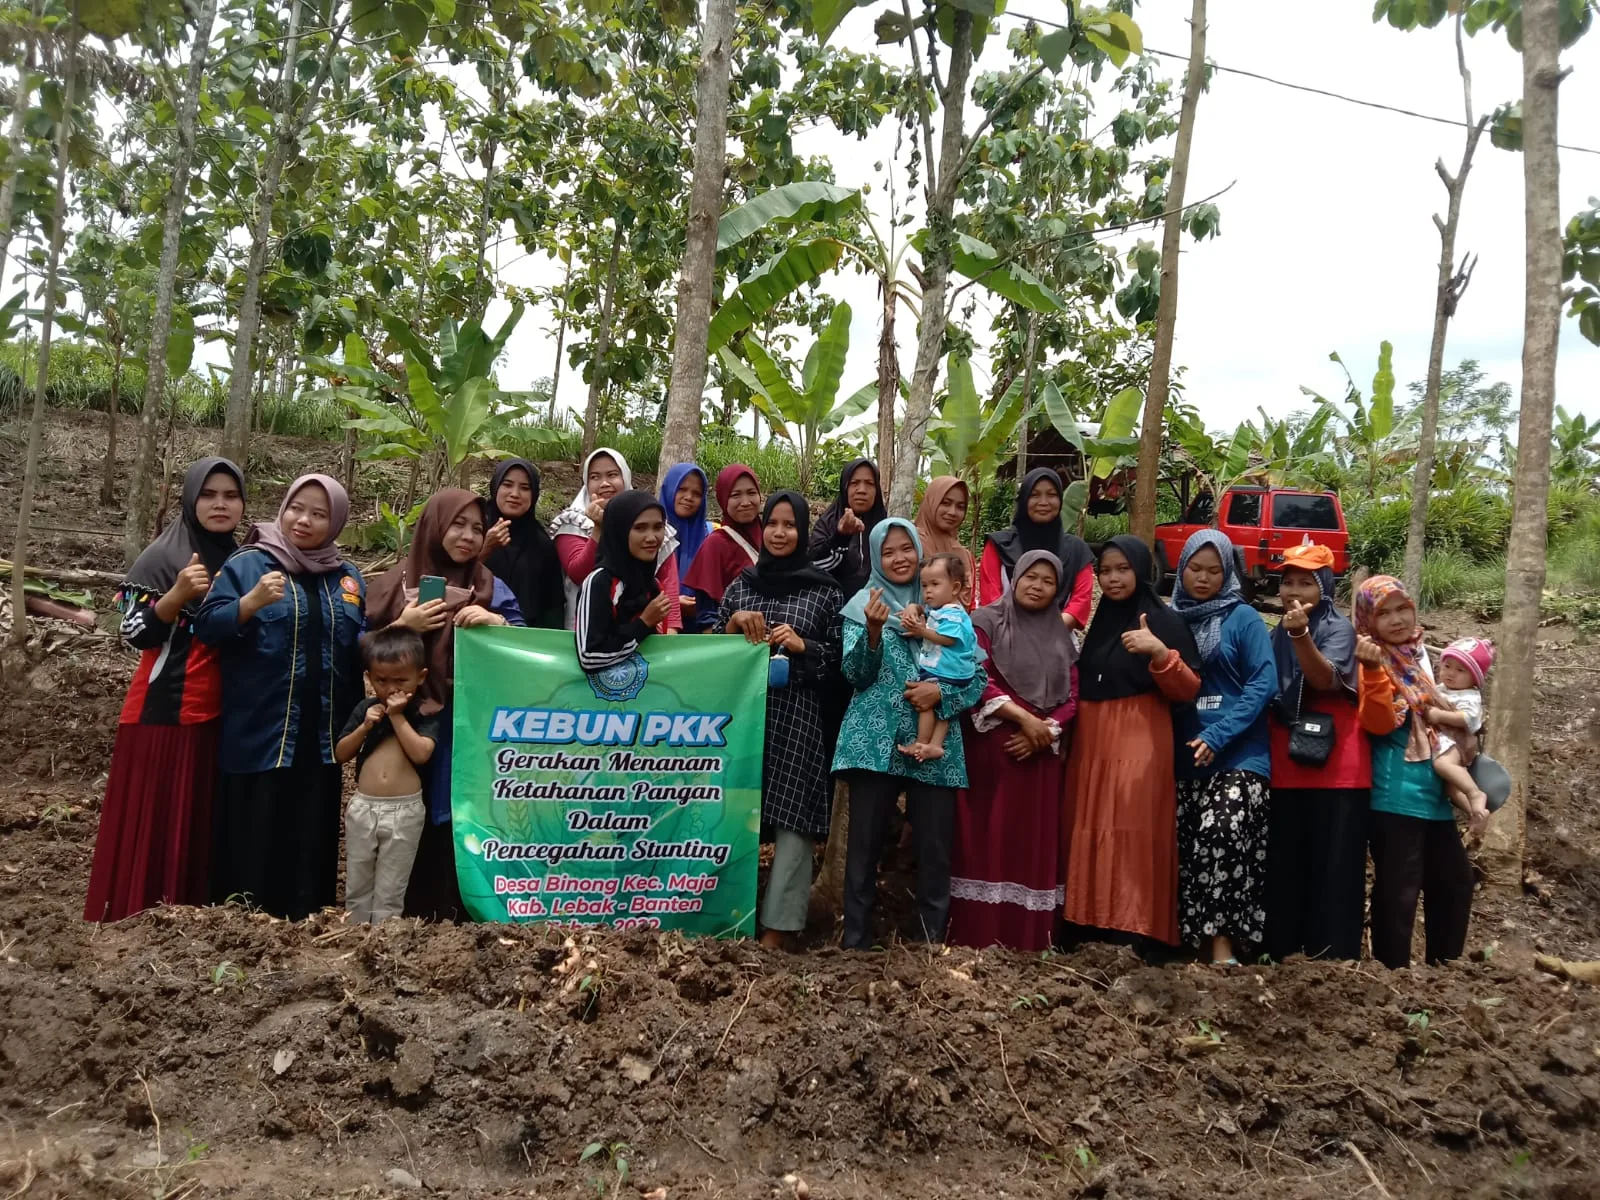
(1475, 654)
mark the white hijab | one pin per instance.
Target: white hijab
(574, 521)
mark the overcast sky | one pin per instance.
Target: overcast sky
(1327, 240)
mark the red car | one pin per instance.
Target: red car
(1261, 523)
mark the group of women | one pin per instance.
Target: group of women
(1130, 775)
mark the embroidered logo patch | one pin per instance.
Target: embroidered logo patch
(349, 585)
(351, 598)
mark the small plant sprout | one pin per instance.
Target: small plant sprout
(226, 974)
(1030, 1001)
(612, 1154)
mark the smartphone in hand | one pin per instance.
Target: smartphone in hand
(430, 587)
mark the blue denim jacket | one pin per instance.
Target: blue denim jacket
(264, 660)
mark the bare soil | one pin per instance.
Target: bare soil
(218, 1052)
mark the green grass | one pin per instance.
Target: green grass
(1452, 579)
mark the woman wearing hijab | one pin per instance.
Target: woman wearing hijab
(1036, 525)
(154, 842)
(1005, 875)
(576, 530)
(1417, 853)
(448, 544)
(516, 546)
(839, 538)
(840, 545)
(786, 603)
(1317, 842)
(939, 520)
(880, 664)
(733, 547)
(285, 615)
(1138, 660)
(683, 497)
(622, 601)
(1224, 766)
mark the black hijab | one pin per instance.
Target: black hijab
(775, 576)
(638, 578)
(1107, 670)
(1025, 534)
(529, 565)
(852, 571)
(156, 569)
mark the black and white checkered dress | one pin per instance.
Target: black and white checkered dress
(796, 791)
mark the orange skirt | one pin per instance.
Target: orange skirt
(1120, 828)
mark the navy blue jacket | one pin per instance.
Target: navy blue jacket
(1230, 713)
(264, 660)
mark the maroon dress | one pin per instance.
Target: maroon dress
(1006, 870)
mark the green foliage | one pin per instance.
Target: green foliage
(805, 410)
(1452, 578)
(1581, 269)
(1468, 524)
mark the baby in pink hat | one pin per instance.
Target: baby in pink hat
(1462, 668)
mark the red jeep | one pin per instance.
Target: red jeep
(1261, 523)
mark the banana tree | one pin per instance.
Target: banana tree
(1373, 437)
(448, 409)
(806, 411)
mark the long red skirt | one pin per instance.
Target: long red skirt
(1005, 868)
(154, 844)
(1121, 829)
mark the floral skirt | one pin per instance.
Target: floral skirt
(1222, 856)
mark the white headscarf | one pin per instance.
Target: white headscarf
(574, 521)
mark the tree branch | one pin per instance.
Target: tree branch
(930, 174)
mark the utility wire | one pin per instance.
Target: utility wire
(1298, 87)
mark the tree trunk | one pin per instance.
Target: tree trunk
(1447, 296)
(236, 422)
(936, 272)
(696, 278)
(58, 235)
(1142, 521)
(481, 288)
(888, 383)
(108, 481)
(1511, 726)
(19, 116)
(561, 338)
(602, 345)
(1030, 351)
(136, 525)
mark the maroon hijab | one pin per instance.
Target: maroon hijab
(721, 560)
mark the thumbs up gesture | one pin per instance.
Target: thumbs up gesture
(194, 580)
(1142, 641)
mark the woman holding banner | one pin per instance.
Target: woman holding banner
(786, 602)
(446, 545)
(577, 529)
(880, 662)
(622, 601)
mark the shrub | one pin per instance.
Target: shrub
(1104, 527)
(1450, 577)
(1378, 533)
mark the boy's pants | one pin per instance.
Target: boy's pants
(380, 839)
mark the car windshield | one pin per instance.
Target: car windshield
(1244, 508)
(1290, 511)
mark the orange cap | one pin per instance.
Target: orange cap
(1308, 557)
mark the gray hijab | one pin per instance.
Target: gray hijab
(1032, 651)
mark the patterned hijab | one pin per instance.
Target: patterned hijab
(896, 595)
(1407, 663)
(1205, 617)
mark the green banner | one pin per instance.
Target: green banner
(630, 797)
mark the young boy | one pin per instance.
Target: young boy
(949, 652)
(1463, 667)
(390, 739)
